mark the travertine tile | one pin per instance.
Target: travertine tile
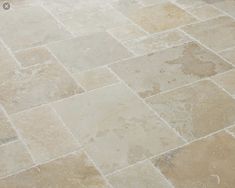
(205, 12)
(7, 133)
(218, 34)
(229, 55)
(88, 52)
(227, 81)
(157, 42)
(140, 175)
(44, 133)
(170, 68)
(127, 6)
(33, 56)
(19, 29)
(189, 3)
(225, 5)
(112, 121)
(13, 157)
(196, 110)
(73, 171)
(96, 78)
(160, 17)
(206, 163)
(34, 86)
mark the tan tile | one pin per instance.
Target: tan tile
(19, 29)
(34, 86)
(196, 110)
(7, 133)
(226, 5)
(13, 157)
(140, 175)
(88, 52)
(218, 34)
(44, 133)
(227, 81)
(95, 78)
(73, 171)
(112, 121)
(229, 55)
(34, 56)
(189, 3)
(160, 17)
(232, 130)
(156, 42)
(206, 163)
(170, 68)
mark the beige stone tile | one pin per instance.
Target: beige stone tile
(140, 175)
(95, 78)
(73, 171)
(218, 34)
(206, 163)
(196, 110)
(127, 32)
(174, 67)
(160, 17)
(156, 42)
(114, 122)
(227, 81)
(226, 5)
(232, 130)
(205, 12)
(88, 52)
(127, 6)
(229, 55)
(34, 56)
(189, 3)
(19, 29)
(7, 134)
(13, 157)
(34, 86)
(44, 133)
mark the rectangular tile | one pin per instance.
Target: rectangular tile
(174, 67)
(197, 110)
(114, 121)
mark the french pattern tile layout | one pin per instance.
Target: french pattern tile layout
(117, 94)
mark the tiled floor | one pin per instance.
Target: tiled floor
(117, 94)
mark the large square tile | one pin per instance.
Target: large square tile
(174, 67)
(196, 110)
(114, 122)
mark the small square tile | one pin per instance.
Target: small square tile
(139, 175)
(218, 34)
(206, 163)
(44, 133)
(96, 78)
(229, 55)
(73, 171)
(168, 69)
(19, 29)
(114, 122)
(34, 86)
(88, 52)
(196, 110)
(13, 157)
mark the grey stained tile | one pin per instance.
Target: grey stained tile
(114, 122)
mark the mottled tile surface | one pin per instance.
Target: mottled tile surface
(174, 67)
(226, 5)
(229, 55)
(196, 110)
(72, 171)
(206, 163)
(113, 121)
(189, 3)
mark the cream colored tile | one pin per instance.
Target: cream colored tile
(229, 55)
(196, 110)
(44, 133)
(226, 5)
(19, 29)
(140, 175)
(13, 157)
(73, 171)
(88, 52)
(227, 81)
(189, 3)
(157, 42)
(218, 34)
(115, 127)
(34, 56)
(96, 78)
(34, 86)
(206, 163)
(168, 69)
(127, 6)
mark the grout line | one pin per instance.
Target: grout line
(224, 12)
(230, 133)
(10, 142)
(226, 49)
